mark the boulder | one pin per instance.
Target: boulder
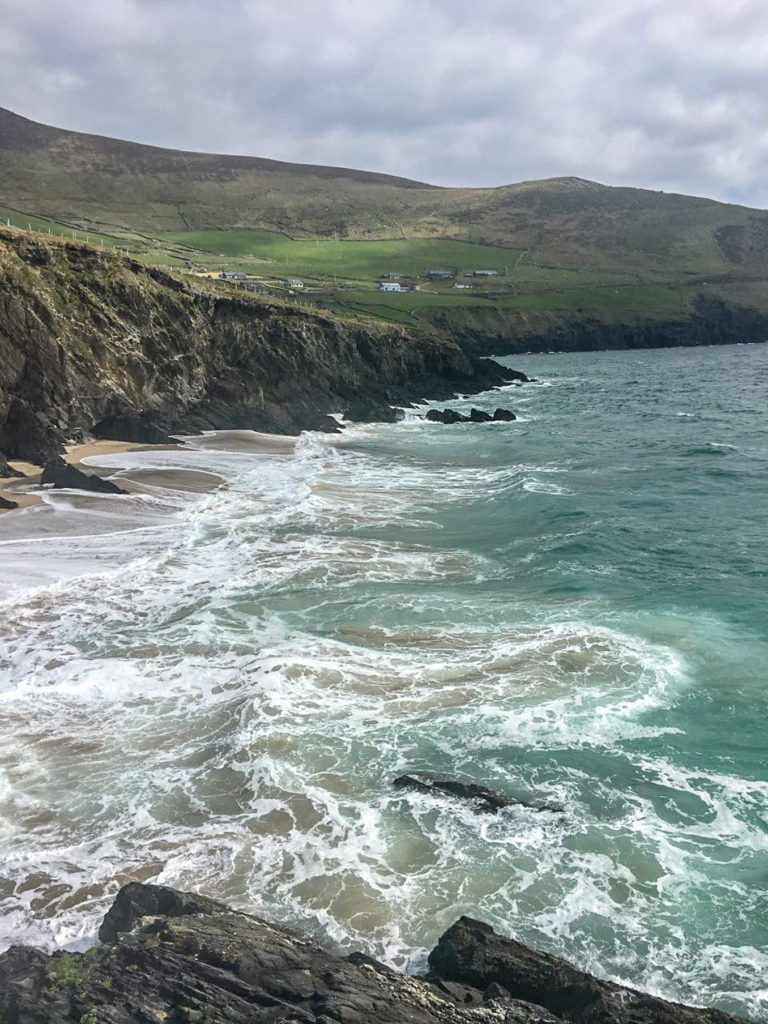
(6, 505)
(475, 416)
(446, 416)
(482, 798)
(58, 473)
(471, 953)
(363, 410)
(137, 429)
(478, 416)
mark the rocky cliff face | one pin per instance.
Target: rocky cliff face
(185, 959)
(711, 320)
(87, 336)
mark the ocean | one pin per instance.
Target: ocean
(214, 689)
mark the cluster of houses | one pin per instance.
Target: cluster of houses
(243, 281)
(391, 282)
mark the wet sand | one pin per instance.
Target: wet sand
(26, 491)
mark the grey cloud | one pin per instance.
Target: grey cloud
(668, 95)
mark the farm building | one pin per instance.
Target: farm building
(392, 276)
(486, 273)
(389, 286)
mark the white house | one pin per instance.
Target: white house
(390, 286)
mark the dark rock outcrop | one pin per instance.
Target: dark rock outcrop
(364, 411)
(61, 475)
(479, 416)
(186, 959)
(446, 416)
(482, 798)
(6, 470)
(137, 429)
(475, 416)
(6, 505)
(472, 953)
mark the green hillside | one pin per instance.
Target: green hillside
(563, 247)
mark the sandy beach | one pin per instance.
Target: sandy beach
(26, 491)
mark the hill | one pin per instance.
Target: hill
(566, 251)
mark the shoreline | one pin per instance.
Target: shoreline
(89, 457)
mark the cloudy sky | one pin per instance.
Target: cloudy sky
(664, 94)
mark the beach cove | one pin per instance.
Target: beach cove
(212, 682)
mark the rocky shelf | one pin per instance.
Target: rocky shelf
(182, 958)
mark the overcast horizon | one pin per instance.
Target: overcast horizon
(656, 95)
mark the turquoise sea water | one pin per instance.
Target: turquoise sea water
(570, 608)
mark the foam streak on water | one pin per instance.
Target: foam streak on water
(215, 690)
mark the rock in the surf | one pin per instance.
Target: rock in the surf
(7, 505)
(479, 416)
(475, 416)
(58, 473)
(471, 953)
(446, 416)
(482, 798)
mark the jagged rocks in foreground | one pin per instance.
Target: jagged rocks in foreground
(178, 957)
(471, 952)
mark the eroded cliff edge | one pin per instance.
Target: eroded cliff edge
(186, 959)
(87, 334)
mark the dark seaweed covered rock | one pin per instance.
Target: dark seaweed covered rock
(58, 473)
(6, 505)
(482, 798)
(504, 415)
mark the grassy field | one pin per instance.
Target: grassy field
(45, 226)
(653, 300)
(354, 260)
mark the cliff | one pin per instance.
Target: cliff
(88, 336)
(185, 959)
